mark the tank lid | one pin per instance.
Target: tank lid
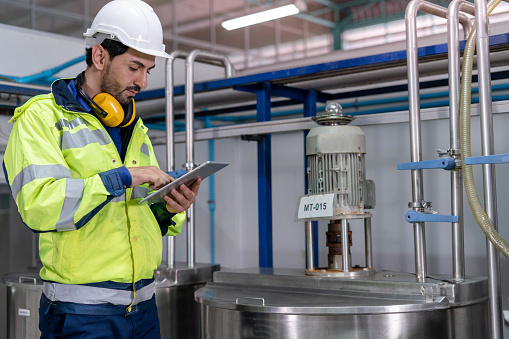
(333, 116)
(30, 277)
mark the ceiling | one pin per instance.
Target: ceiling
(196, 24)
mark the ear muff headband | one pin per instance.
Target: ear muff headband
(108, 110)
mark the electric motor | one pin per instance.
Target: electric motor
(336, 164)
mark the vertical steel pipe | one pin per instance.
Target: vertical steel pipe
(207, 57)
(487, 145)
(367, 242)
(170, 138)
(309, 246)
(344, 245)
(415, 121)
(458, 238)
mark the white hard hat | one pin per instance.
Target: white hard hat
(132, 22)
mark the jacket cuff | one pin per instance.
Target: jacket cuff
(112, 182)
(125, 175)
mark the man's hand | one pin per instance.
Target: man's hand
(149, 174)
(180, 200)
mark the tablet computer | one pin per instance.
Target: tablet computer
(204, 170)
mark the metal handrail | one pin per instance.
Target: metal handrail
(209, 57)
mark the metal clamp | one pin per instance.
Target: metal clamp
(189, 166)
(446, 163)
(424, 206)
(449, 152)
(414, 216)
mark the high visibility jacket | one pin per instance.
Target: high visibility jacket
(61, 165)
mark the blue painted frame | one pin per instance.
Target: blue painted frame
(265, 250)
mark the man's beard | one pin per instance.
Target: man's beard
(109, 85)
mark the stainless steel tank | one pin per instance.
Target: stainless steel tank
(179, 314)
(284, 303)
(23, 294)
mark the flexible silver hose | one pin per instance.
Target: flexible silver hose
(468, 176)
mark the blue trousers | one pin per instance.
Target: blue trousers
(142, 324)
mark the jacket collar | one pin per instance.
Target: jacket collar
(64, 97)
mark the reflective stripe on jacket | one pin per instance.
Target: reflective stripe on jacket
(62, 165)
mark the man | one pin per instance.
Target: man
(78, 162)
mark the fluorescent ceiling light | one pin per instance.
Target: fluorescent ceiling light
(256, 18)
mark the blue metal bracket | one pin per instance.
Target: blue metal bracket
(446, 163)
(414, 216)
(488, 159)
(177, 174)
(294, 93)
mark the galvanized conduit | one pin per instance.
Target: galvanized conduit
(189, 85)
(415, 123)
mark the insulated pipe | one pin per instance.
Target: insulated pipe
(196, 55)
(488, 148)
(458, 236)
(415, 124)
(170, 137)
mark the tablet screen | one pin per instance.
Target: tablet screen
(204, 170)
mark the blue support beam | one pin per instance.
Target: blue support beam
(330, 68)
(22, 90)
(265, 251)
(293, 93)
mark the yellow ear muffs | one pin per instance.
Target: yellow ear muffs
(110, 111)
